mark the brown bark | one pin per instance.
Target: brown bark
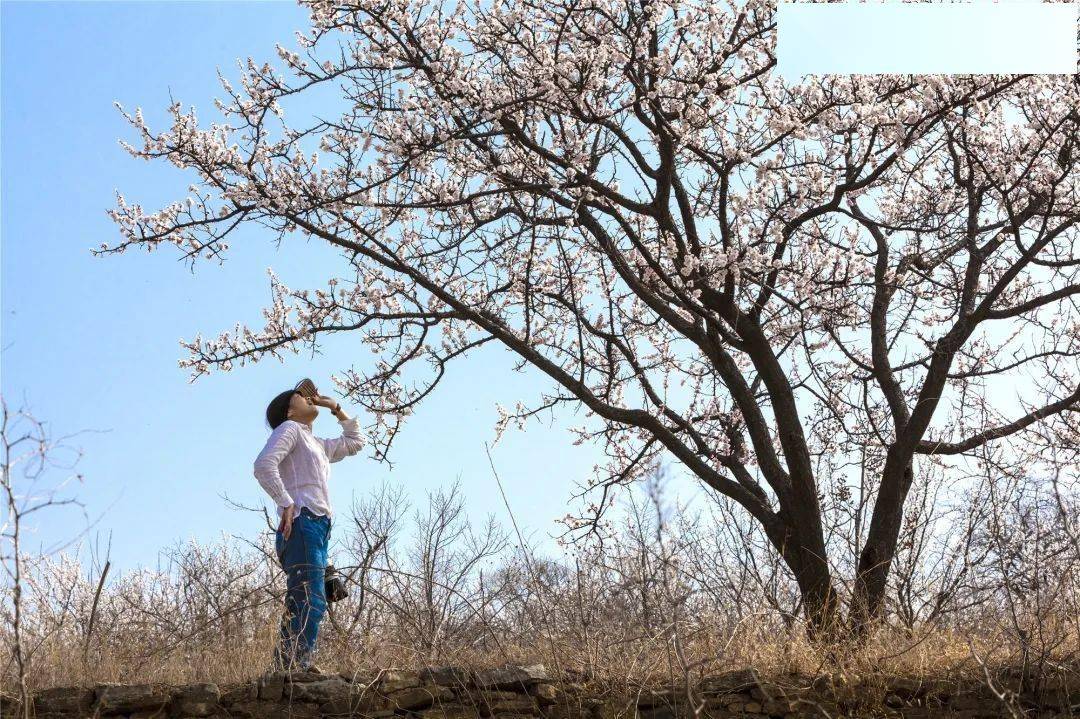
(811, 569)
(871, 579)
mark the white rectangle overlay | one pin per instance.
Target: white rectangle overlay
(925, 38)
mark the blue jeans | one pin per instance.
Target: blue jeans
(303, 557)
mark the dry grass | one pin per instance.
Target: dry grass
(654, 602)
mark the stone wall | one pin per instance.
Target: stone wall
(527, 692)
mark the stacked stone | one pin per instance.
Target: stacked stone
(507, 692)
(527, 692)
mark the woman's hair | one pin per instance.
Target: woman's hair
(278, 409)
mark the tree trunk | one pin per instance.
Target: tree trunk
(811, 570)
(822, 605)
(871, 579)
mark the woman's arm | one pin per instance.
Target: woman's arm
(350, 442)
(281, 440)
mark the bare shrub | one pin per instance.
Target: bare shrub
(670, 592)
(27, 467)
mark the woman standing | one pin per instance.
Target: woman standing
(293, 468)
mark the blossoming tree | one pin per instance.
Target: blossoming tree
(756, 278)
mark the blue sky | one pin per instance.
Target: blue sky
(974, 36)
(90, 345)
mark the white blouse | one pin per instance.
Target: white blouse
(294, 466)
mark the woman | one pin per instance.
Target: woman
(293, 468)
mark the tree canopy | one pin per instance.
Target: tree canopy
(757, 278)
